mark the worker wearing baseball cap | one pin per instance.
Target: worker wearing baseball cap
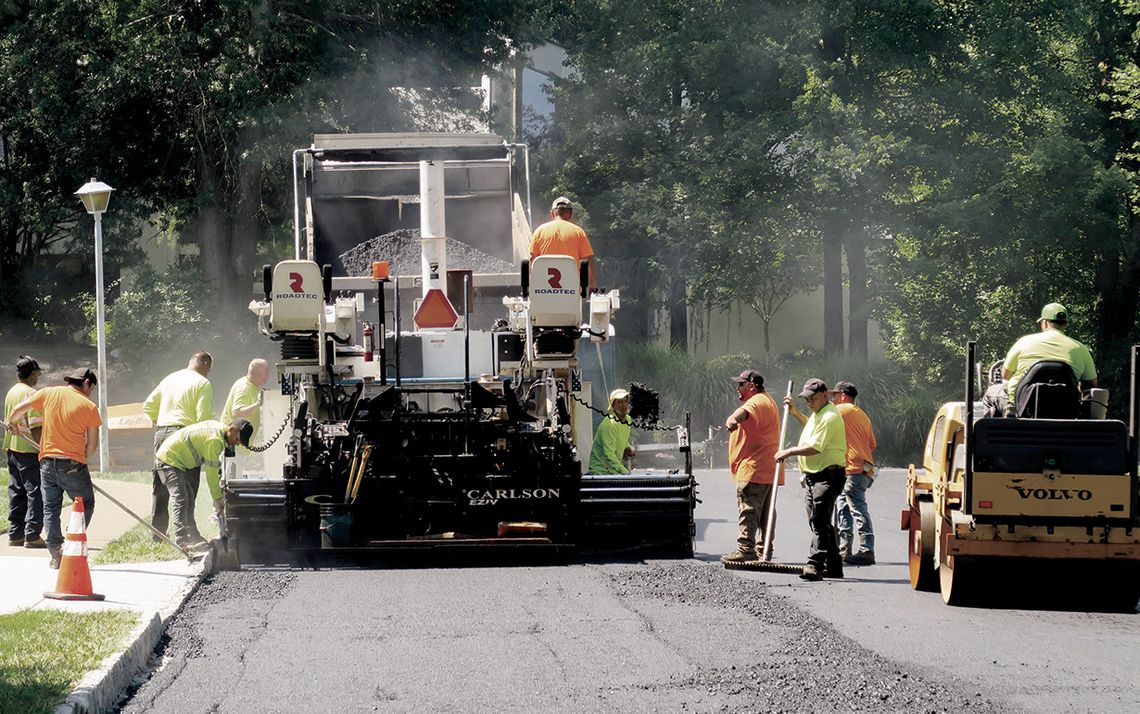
(822, 452)
(754, 437)
(611, 441)
(183, 453)
(70, 435)
(559, 236)
(1049, 343)
(855, 527)
(25, 500)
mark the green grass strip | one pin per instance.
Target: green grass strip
(138, 546)
(44, 653)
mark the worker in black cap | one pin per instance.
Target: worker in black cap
(70, 436)
(822, 452)
(25, 501)
(754, 438)
(194, 447)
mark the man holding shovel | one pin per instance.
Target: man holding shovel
(754, 438)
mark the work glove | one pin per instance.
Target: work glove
(219, 505)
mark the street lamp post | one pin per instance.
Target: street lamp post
(95, 196)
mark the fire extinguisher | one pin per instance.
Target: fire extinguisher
(368, 341)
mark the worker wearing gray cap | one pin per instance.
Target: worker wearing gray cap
(822, 452)
(559, 236)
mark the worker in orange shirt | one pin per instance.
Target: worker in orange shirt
(852, 503)
(754, 438)
(559, 236)
(70, 435)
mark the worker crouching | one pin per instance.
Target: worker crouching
(183, 453)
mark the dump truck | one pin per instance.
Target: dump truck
(1041, 508)
(431, 401)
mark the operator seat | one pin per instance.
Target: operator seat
(1048, 390)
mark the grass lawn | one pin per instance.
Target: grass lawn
(137, 544)
(44, 653)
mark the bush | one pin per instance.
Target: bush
(900, 410)
(158, 311)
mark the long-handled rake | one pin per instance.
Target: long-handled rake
(765, 562)
(157, 533)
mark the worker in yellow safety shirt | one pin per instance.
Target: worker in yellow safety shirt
(186, 451)
(611, 441)
(244, 402)
(1049, 343)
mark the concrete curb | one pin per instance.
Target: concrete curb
(100, 690)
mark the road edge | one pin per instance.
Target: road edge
(100, 689)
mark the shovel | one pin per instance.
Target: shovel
(189, 556)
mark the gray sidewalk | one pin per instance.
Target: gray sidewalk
(155, 591)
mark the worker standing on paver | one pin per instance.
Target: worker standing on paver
(70, 435)
(185, 453)
(852, 502)
(559, 236)
(754, 438)
(25, 500)
(182, 398)
(822, 452)
(244, 402)
(611, 441)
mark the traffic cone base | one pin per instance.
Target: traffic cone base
(74, 581)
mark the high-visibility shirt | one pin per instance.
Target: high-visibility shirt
(610, 442)
(32, 420)
(68, 414)
(243, 394)
(559, 237)
(1049, 344)
(194, 446)
(182, 398)
(860, 437)
(825, 433)
(753, 445)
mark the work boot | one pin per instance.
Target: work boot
(739, 556)
(810, 573)
(36, 542)
(760, 552)
(56, 554)
(863, 557)
(16, 542)
(833, 573)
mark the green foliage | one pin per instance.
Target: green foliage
(160, 310)
(899, 410)
(684, 382)
(44, 653)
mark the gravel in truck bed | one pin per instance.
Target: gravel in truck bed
(402, 251)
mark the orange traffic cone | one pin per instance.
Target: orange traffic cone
(74, 582)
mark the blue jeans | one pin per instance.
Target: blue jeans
(57, 476)
(25, 501)
(852, 505)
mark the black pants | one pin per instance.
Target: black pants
(822, 489)
(25, 500)
(160, 495)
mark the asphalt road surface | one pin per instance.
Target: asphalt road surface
(642, 636)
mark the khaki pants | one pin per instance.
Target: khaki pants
(753, 502)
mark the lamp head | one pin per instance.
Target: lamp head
(95, 196)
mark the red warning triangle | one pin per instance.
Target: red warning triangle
(435, 311)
